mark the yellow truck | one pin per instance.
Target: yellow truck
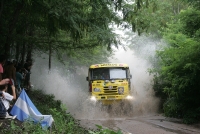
(109, 82)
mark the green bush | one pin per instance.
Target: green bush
(64, 123)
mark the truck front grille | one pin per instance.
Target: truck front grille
(110, 91)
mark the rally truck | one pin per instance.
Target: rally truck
(109, 82)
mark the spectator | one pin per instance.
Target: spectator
(10, 72)
(27, 67)
(7, 63)
(3, 82)
(2, 62)
(19, 78)
(8, 97)
(27, 64)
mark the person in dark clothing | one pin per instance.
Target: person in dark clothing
(19, 78)
(27, 65)
(27, 68)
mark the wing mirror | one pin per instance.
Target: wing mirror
(87, 78)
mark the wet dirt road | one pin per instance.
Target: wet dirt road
(151, 124)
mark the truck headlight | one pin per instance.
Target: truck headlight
(129, 97)
(96, 90)
(120, 90)
(93, 98)
(113, 81)
(106, 81)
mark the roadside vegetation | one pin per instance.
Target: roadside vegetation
(177, 72)
(64, 122)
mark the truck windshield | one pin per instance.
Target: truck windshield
(108, 73)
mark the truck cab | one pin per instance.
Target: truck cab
(109, 82)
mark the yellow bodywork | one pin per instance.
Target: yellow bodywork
(108, 91)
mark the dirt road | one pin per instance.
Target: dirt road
(151, 124)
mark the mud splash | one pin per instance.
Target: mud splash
(75, 93)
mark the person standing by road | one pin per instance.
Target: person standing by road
(27, 67)
(19, 78)
(10, 72)
(2, 62)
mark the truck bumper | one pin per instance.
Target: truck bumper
(111, 99)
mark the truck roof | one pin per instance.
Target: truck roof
(109, 65)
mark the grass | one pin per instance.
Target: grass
(64, 123)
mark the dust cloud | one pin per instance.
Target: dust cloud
(74, 94)
(144, 101)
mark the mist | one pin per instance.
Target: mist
(140, 55)
(75, 95)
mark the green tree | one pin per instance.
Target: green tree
(178, 76)
(50, 26)
(152, 16)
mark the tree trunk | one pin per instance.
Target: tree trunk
(50, 53)
(23, 53)
(1, 8)
(29, 51)
(17, 47)
(30, 45)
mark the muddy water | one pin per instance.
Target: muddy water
(149, 124)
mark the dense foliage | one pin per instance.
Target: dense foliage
(177, 77)
(152, 16)
(56, 27)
